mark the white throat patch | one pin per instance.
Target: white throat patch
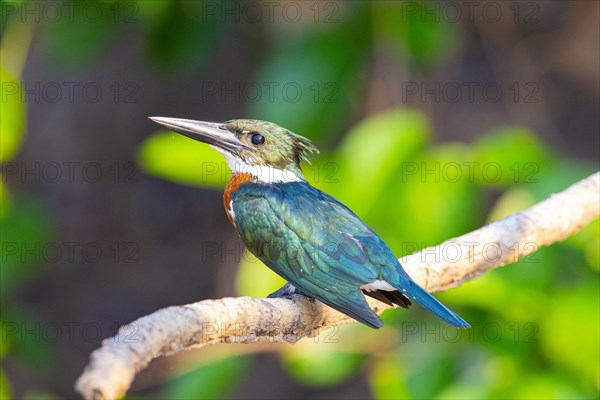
(263, 173)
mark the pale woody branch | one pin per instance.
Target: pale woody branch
(113, 367)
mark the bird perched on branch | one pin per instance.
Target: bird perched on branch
(322, 249)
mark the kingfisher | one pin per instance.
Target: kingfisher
(318, 245)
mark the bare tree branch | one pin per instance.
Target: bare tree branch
(113, 367)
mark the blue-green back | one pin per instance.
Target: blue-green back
(314, 242)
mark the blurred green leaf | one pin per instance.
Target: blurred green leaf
(32, 339)
(569, 333)
(179, 159)
(24, 231)
(307, 81)
(430, 368)
(79, 36)
(5, 201)
(415, 29)
(214, 381)
(475, 379)
(5, 341)
(511, 155)
(4, 386)
(432, 200)
(516, 284)
(373, 154)
(557, 175)
(387, 380)
(587, 240)
(544, 385)
(313, 364)
(511, 202)
(328, 172)
(150, 11)
(254, 278)
(134, 396)
(181, 35)
(36, 394)
(12, 109)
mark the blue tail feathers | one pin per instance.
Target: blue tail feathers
(427, 301)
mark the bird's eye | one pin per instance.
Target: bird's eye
(257, 139)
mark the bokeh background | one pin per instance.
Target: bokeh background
(433, 118)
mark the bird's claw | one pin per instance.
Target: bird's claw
(285, 291)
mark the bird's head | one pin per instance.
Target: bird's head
(264, 149)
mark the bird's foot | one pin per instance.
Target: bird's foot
(285, 291)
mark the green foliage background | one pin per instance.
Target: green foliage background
(535, 323)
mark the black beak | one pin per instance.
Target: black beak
(215, 134)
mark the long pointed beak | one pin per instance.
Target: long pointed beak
(215, 134)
